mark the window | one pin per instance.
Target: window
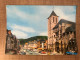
(54, 35)
(56, 20)
(53, 19)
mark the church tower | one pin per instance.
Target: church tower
(52, 21)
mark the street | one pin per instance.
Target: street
(24, 51)
(30, 52)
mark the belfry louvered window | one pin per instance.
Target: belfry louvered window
(56, 20)
(53, 19)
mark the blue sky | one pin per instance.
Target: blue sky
(31, 20)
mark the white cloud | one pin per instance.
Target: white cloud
(19, 34)
(21, 31)
(42, 12)
(22, 28)
(14, 11)
(62, 12)
(43, 34)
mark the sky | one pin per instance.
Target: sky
(26, 21)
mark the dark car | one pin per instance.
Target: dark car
(22, 53)
(40, 51)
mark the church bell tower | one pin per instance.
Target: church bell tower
(52, 21)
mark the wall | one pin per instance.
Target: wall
(3, 23)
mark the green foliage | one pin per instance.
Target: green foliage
(41, 38)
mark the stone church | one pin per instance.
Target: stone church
(61, 34)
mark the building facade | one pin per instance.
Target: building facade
(12, 43)
(60, 33)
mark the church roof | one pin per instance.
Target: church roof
(69, 29)
(65, 21)
(53, 13)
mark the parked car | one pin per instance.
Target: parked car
(22, 53)
(31, 53)
(43, 52)
(40, 51)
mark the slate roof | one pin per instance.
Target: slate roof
(70, 29)
(65, 21)
(53, 13)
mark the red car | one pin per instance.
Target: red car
(43, 52)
